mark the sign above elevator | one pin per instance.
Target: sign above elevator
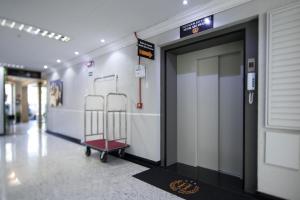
(146, 49)
(197, 26)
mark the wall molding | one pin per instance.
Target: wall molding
(63, 136)
(212, 7)
(129, 113)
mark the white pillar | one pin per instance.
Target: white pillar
(2, 70)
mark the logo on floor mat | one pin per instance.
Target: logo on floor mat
(184, 186)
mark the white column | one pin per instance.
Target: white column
(2, 100)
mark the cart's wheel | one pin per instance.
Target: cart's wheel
(88, 151)
(121, 153)
(103, 156)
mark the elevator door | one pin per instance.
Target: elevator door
(231, 114)
(210, 108)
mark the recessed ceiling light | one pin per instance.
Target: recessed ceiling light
(51, 35)
(45, 67)
(32, 29)
(3, 22)
(65, 39)
(58, 61)
(21, 27)
(37, 31)
(12, 25)
(12, 65)
(29, 29)
(57, 37)
(102, 41)
(185, 2)
(44, 33)
(76, 53)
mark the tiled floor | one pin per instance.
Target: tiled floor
(38, 166)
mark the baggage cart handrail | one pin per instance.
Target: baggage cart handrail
(112, 111)
(101, 110)
(115, 76)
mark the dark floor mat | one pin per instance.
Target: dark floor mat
(187, 188)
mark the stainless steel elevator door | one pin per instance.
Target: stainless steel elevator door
(210, 108)
(231, 114)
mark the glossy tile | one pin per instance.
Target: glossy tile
(38, 166)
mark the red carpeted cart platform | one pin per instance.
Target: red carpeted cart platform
(111, 145)
(100, 146)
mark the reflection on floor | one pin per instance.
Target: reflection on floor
(23, 128)
(34, 165)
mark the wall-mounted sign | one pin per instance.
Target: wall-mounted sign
(146, 49)
(197, 26)
(140, 71)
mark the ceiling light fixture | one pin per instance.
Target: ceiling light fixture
(67, 39)
(185, 2)
(57, 37)
(12, 65)
(12, 25)
(3, 22)
(44, 33)
(58, 61)
(32, 29)
(45, 67)
(102, 41)
(29, 29)
(51, 35)
(37, 31)
(21, 27)
(76, 53)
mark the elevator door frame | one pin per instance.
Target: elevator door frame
(248, 32)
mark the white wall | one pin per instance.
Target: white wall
(274, 180)
(145, 124)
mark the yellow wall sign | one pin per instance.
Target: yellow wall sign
(146, 49)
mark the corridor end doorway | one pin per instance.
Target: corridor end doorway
(25, 103)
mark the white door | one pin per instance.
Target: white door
(210, 108)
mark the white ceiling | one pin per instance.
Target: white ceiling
(86, 22)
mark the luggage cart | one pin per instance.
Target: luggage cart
(105, 126)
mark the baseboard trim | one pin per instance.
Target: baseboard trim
(264, 196)
(138, 160)
(71, 139)
(129, 157)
